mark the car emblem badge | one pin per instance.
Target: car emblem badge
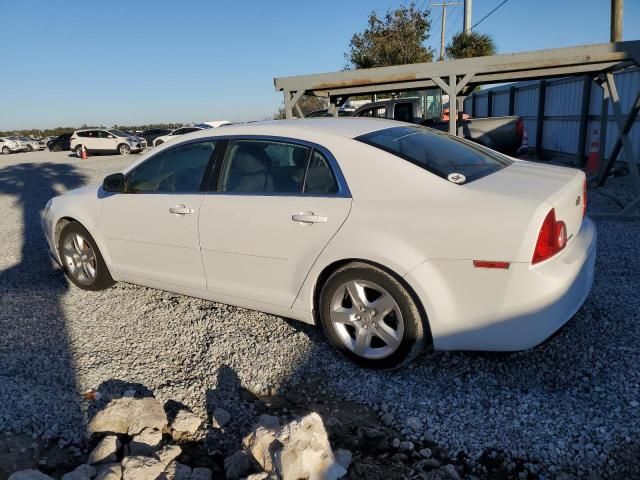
(456, 178)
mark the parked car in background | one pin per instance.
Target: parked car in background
(391, 236)
(178, 132)
(342, 112)
(106, 140)
(503, 134)
(9, 146)
(31, 143)
(22, 146)
(153, 133)
(60, 143)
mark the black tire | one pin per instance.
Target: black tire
(158, 143)
(56, 148)
(78, 151)
(29, 148)
(102, 278)
(124, 149)
(415, 333)
(6, 150)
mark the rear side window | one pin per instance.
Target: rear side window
(437, 152)
(319, 178)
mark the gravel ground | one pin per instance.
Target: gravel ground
(570, 405)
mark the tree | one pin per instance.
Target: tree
(395, 39)
(307, 104)
(471, 44)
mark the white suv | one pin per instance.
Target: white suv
(103, 140)
(179, 131)
(9, 146)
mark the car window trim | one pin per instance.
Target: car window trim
(343, 188)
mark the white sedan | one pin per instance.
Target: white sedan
(392, 236)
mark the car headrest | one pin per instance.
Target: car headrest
(250, 159)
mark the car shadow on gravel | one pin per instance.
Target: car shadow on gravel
(37, 375)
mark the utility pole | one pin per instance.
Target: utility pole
(443, 28)
(467, 16)
(616, 20)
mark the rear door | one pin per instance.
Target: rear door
(276, 206)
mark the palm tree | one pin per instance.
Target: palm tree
(471, 44)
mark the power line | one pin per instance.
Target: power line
(488, 14)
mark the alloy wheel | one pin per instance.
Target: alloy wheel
(367, 319)
(79, 258)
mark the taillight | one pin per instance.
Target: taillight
(584, 198)
(519, 129)
(551, 239)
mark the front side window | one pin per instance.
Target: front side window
(177, 170)
(437, 152)
(264, 167)
(375, 112)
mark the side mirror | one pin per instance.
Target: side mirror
(114, 183)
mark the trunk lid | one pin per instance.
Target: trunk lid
(559, 187)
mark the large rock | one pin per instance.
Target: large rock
(446, 472)
(298, 450)
(186, 422)
(145, 443)
(106, 450)
(177, 471)
(169, 454)
(109, 471)
(83, 472)
(220, 417)
(237, 466)
(260, 442)
(129, 415)
(201, 473)
(29, 475)
(141, 468)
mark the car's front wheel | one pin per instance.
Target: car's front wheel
(158, 143)
(79, 151)
(6, 150)
(124, 149)
(369, 316)
(56, 148)
(81, 259)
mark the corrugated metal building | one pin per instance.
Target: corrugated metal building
(562, 111)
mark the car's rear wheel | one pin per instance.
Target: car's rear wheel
(81, 259)
(56, 148)
(6, 150)
(158, 143)
(124, 149)
(29, 148)
(79, 151)
(369, 316)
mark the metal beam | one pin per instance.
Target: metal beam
(542, 94)
(512, 100)
(584, 121)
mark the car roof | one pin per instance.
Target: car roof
(347, 127)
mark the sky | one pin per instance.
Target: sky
(74, 62)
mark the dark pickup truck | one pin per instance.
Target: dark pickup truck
(503, 134)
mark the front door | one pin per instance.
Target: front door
(152, 230)
(276, 207)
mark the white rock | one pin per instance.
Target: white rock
(83, 472)
(220, 417)
(298, 450)
(141, 468)
(201, 473)
(237, 465)
(145, 442)
(177, 471)
(129, 415)
(259, 441)
(168, 454)
(343, 457)
(259, 476)
(105, 451)
(186, 422)
(29, 475)
(109, 471)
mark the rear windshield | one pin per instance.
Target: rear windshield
(437, 152)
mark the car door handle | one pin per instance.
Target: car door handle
(181, 210)
(308, 217)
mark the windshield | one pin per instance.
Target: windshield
(118, 133)
(437, 152)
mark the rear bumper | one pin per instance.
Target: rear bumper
(505, 310)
